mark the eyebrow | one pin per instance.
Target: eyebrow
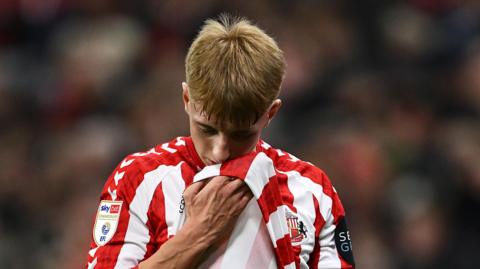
(240, 131)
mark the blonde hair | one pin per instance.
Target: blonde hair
(234, 70)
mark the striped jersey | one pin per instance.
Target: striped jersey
(296, 219)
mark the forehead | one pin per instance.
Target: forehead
(201, 117)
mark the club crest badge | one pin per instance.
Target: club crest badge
(106, 221)
(297, 228)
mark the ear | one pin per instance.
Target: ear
(185, 96)
(273, 110)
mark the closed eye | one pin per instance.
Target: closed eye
(207, 129)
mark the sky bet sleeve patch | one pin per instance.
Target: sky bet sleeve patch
(343, 241)
(106, 221)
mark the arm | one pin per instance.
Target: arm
(335, 246)
(332, 248)
(113, 216)
(212, 210)
(182, 251)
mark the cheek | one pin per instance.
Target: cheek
(205, 145)
(240, 148)
(201, 142)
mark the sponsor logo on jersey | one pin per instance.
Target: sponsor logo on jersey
(297, 228)
(106, 221)
(344, 242)
(182, 205)
(104, 208)
(114, 209)
(106, 228)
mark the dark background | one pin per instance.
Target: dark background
(382, 95)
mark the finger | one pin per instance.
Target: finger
(194, 189)
(234, 186)
(241, 202)
(221, 179)
(215, 183)
(248, 193)
(245, 199)
(237, 196)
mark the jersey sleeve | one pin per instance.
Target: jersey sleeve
(333, 246)
(111, 246)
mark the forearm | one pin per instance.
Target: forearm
(184, 250)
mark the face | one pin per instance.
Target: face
(216, 142)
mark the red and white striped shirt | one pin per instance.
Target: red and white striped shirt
(296, 220)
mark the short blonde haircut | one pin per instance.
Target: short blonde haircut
(234, 70)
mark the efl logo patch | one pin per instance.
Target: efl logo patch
(106, 221)
(297, 228)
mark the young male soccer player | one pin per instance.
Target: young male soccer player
(222, 197)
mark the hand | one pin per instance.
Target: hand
(212, 210)
(214, 206)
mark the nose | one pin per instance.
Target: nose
(221, 148)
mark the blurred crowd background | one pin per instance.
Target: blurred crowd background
(382, 95)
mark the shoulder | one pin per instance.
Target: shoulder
(286, 162)
(134, 168)
(168, 153)
(305, 180)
